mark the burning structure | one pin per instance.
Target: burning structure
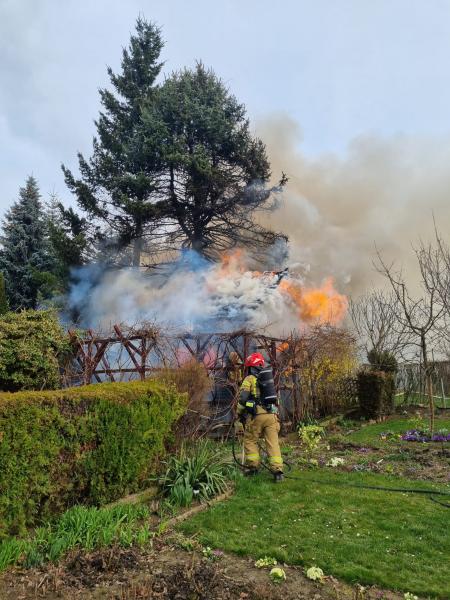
(202, 311)
(196, 295)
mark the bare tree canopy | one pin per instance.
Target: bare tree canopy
(375, 319)
(422, 315)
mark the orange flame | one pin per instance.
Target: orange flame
(232, 262)
(283, 347)
(316, 305)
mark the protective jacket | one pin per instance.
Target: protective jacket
(261, 420)
(258, 394)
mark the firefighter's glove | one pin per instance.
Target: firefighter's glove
(238, 428)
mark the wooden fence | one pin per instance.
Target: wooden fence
(124, 355)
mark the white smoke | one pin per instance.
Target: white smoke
(192, 294)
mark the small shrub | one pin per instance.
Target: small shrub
(310, 436)
(315, 574)
(199, 474)
(277, 575)
(335, 461)
(376, 392)
(212, 555)
(266, 561)
(32, 346)
(382, 360)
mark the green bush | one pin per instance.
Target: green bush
(376, 391)
(382, 360)
(32, 344)
(89, 445)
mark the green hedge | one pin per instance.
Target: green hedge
(89, 445)
(376, 392)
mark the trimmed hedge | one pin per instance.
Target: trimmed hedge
(376, 392)
(90, 444)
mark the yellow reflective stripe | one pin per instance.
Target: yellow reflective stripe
(252, 455)
(246, 385)
(276, 459)
(250, 385)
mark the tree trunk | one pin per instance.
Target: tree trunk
(428, 381)
(137, 249)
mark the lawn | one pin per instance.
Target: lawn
(415, 398)
(370, 434)
(398, 541)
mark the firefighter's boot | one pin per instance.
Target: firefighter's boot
(278, 477)
(251, 471)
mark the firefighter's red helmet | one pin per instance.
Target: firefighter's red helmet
(255, 360)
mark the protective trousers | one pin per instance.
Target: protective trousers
(264, 425)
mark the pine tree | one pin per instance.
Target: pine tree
(216, 172)
(118, 183)
(68, 235)
(4, 304)
(26, 259)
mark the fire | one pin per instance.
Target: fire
(232, 262)
(183, 357)
(320, 305)
(312, 305)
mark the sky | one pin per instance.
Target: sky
(338, 68)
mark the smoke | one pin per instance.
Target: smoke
(384, 192)
(197, 295)
(334, 210)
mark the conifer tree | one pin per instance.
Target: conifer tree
(215, 171)
(4, 305)
(26, 259)
(118, 182)
(68, 235)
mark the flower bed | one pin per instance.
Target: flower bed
(416, 435)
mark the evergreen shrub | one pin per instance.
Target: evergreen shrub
(382, 360)
(376, 391)
(32, 346)
(91, 444)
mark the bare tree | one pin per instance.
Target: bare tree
(434, 260)
(421, 316)
(375, 319)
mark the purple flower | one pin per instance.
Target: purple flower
(414, 435)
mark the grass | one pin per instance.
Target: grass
(371, 433)
(79, 527)
(398, 541)
(416, 398)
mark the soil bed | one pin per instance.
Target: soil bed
(167, 572)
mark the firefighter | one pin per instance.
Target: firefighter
(258, 414)
(234, 366)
